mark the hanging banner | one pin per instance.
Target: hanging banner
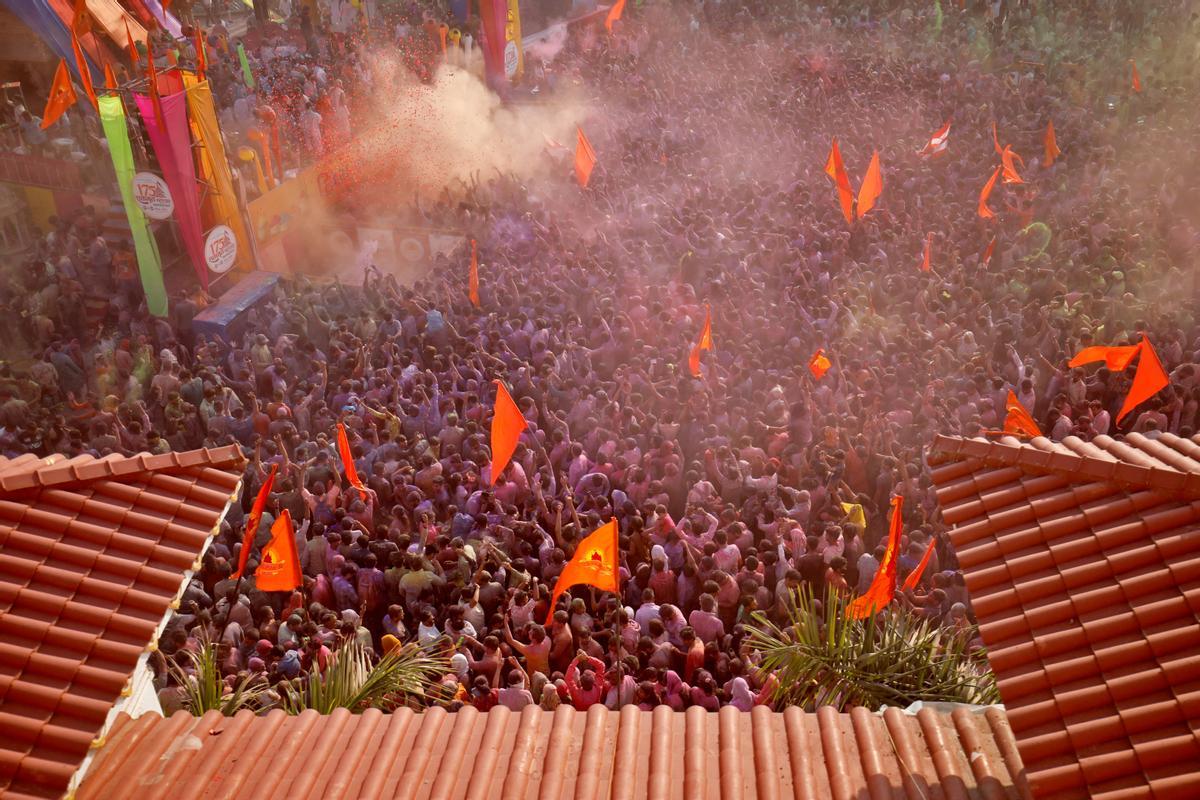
(221, 204)
(172, 143)
(514, 51)
(153, 196)
(112, 118)
(494, 14)
(220, 249)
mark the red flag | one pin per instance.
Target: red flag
(694, 361)
(984, 211)
(201, 56)
(594, 564)
(85, 74)
(348, 459)
(256, 512)
(914, 577)
(926, 264)
(134, 58)
(1115, 359)
(110, 80)
(1017, 421)
(987, 254)
(585, 158)
(507, 424)
(62, 95)
(883, 587)
(871, 188)
(938, 142)
(1135, 80)
(836, 169)
(1148, 380)
(996, 140)
(818, 365)
(706, 333)
(614, 14)
(1006, 164)
(1051, 144)
(473, 280)
(279, 569)
(81, 23)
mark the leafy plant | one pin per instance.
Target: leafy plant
(894, 658)
(407, 675)
(205, 690)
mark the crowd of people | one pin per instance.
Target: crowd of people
(735, 490)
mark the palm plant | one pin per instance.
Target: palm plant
(205, 690)
(894, 658)
(406, 676)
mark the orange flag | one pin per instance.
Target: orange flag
(1051, 144)
(473, 280)
(85, 74)
(989, 252)
(914, 577)
(836, 169)
(279, 569)
(134, 58)
(202, 57)
(926, 264)
(110, 80)
(507, 424)
(937, 142)
(348, 458)
(706, 332)
(1006, 164)
(594, 564)
(996, 140)
(1018, 421)
(694, 361)
(818, 365)
(984, 211)
(585, 159)
(152, 81)
(81, 23)
(1148, 380)
(1135, 80)
(255, 516)
(62, 95)
(614, 14)
(871, 188)
(883, 587)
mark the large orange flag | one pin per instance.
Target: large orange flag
(585, 158)
(85, 74)
(871, 188)
(706, 333)
(62, 95)
(1148, 380)
(473, 281)
(818, 365)
(279, 569)
(255, 516)
(883, 587)
(914, 577)
(1018, 421)
(614, 14)
(1006, 165)
(507, 424)
(984, 211)
(134, 58)
(348, 459)
(594, 564)
(1135, 80)
(835, 168)
(81, 23)
(110, 80)
(1050, 142)
(927, 262)
(694, 361)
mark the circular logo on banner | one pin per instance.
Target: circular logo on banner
(151, 194)
(220, 249)
(411, 249)
(510, 58)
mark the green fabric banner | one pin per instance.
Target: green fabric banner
(112, 117)
(247, 75)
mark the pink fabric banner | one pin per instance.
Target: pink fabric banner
(494, 14)
(173, 148)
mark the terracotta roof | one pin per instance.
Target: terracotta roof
(562, 754)
(1083, 564)
(92, 554)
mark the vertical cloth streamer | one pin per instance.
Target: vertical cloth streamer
(112, 118)
(172, 144)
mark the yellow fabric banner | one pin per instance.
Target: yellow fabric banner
(220, 204)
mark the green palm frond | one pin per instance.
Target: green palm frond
(406, 676)
(205, 690)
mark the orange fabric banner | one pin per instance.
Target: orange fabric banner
(1135, 80)
(614, 14)
(85, 75)
(694, 361)
(871, 188)
(473, 279)
(585, 158)
(594, 564)
(706, 333)
(818, 365)
(1148, 380)
(927, 263)
(252, 520)
(507, 424)
(835, 168)
(347, 457)
(110, 80)
(134, 58)
(914, 577)
(279, 568)
(62, 95)
(996, 140)
(1006, 164)
(201, 56)
(989, 252)
(1018, 421)
(984, 211)
(81, 22)
(1050, 142)
(883, 587)
(1116, 359)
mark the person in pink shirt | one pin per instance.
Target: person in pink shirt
(705, 622)
(589, 688)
